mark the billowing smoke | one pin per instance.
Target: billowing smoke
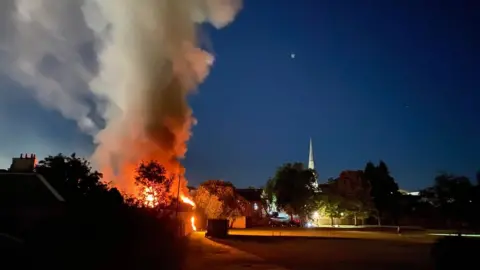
(146, 61)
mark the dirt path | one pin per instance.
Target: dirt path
(204, 253)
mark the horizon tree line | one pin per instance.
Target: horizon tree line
(372, 193)
(367, 194)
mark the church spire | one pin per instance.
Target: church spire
(311, 163)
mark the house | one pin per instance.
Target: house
(256, 212)
(254, 197)
(25, 163)
(26, 198)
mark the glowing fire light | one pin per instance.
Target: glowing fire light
(192, 220)
(187, 200)
(150, 197)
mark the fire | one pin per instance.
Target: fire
(150, 198)
(192, 220)
(187, 200)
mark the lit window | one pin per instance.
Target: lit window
(255, 206)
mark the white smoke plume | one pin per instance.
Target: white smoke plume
(146, 61)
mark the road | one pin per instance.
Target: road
(314, 249)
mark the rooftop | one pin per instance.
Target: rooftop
(26, 189)
(250, 194)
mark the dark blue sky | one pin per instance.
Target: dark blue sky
(391, 80)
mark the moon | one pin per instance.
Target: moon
(292, 55)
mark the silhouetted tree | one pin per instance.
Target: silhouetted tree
(384, 190)
(453, 196)
(155, 185)
(293, 189)
(76, 181)
(355, 192)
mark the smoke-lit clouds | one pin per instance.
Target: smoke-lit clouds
(41, 46)
(140, 58)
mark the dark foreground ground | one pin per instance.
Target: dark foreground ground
(332, 253)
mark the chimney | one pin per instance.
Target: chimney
(24, 163)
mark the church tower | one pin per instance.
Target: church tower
(311, 162)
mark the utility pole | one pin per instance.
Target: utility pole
(178, 197)
(180, 227)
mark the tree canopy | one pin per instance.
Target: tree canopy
(219, 199)
(453, 196)
(155, 185)
(75, 179)
(293, 187)
(384, 190)
(355, 191)
(330, 203)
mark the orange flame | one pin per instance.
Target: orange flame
(149, 197)
(187, 200)
(192, 220)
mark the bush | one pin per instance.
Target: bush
(108, 238)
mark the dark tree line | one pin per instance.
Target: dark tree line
(373, 194)
(455, 200)
(77, 182)
(383, 192)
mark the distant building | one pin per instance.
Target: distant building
(324, 187)
(411, 193)
(254, 197)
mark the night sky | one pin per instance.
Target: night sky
(371, 80)
(391, 80)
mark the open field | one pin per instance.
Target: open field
(305, 249)
(407, 235)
